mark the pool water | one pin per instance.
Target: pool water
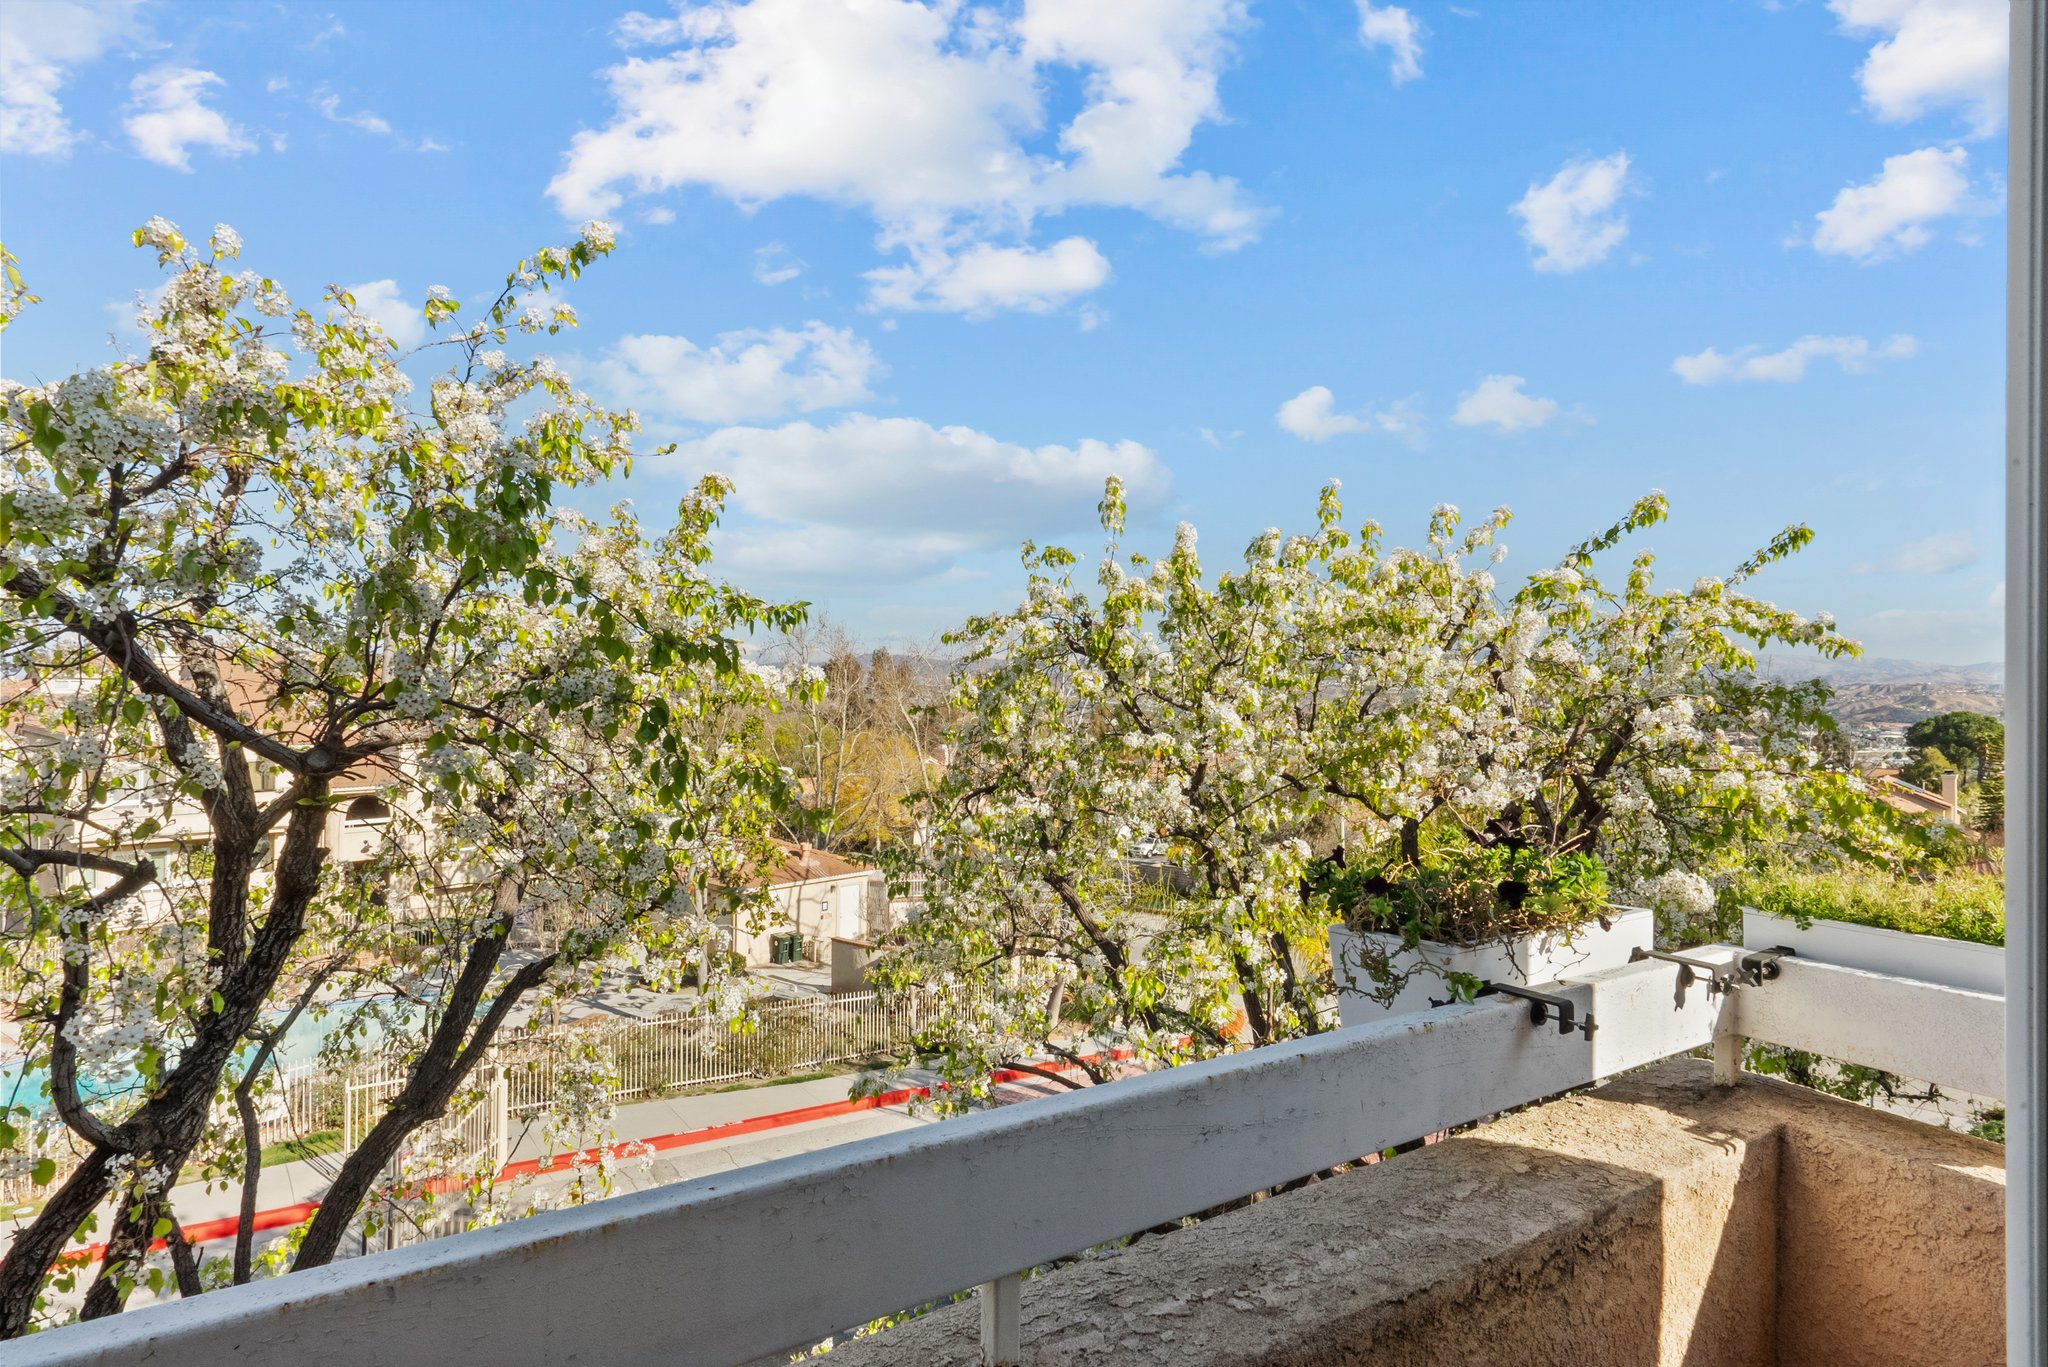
(300, 1045)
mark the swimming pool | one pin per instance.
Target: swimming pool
(301, 1045)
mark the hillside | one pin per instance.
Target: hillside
(1897, 692)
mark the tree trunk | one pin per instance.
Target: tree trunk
(252, 1169)
(36, 1249)
(1298, 994)
(424, 1099)
(168, 1127)
(1254, 1001)
(127, 1248)
(450, 1056)
(184, 1261)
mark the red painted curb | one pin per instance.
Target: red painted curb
(206, 1231)
(731, 1129)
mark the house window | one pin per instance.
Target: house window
(367, 810)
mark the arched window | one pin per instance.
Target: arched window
(367, 810)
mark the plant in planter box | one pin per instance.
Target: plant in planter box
(1459, 896)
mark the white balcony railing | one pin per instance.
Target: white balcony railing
(730, 1268)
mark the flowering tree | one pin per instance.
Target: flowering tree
(247, 572)
(1335, 728)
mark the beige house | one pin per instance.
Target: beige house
(179, 846)
(1946, 805)
(179, 843)
(821, 897)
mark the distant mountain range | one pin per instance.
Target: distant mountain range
(1897, 691)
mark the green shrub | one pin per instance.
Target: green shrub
(1953, 904)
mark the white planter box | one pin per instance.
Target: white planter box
(1587, 948)
(1898, 953)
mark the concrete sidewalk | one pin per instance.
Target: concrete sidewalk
(699, 1110)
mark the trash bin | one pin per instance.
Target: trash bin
(778, 948)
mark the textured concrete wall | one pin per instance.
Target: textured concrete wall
(1636, 1224)
(1891, 1246)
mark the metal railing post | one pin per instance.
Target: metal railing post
(1001, 1337)
(501, 1119)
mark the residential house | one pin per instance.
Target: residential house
(821, 897)
(1945, 805)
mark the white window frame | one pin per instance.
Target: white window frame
(2026, 680)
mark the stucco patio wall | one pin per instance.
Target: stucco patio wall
(1657, 1219)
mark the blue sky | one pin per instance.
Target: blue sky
(918, 276)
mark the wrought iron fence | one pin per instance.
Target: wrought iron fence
(292, 1104)
(666, 1054)
(675, 1053)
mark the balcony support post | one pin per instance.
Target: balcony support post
(1727, 1058)
(1001, 1332)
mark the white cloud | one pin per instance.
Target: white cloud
(329, 105)
(170, 117)
(1889, 215)
(130, 317)
(744, 375)
(369, 121)
(1498, 401)
(1935, 53)
(1312, 416)
(773, 265)
(635, 29)
(1570, 220)
(777, 98)
(1396, 30)
(1853, 354)
(984, 279)
(382, 304)
(889, 499)
(40, 46)
(1937, 554)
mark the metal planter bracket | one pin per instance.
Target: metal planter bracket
(1544, 1005)
(1761, 966)
(1753, 969)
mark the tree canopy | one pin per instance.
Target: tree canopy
(253, 567)
(1338, 727)
(1972, 740)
